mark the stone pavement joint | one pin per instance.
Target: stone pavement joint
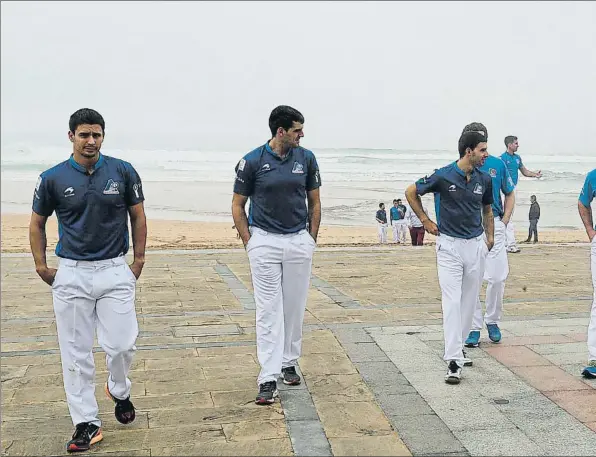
(334, 294)
(243, 295)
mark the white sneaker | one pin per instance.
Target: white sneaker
(453, 375)
(467, 361)
(513, 249)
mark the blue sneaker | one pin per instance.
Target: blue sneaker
(473, 339)
(493, 332)
(590, 370)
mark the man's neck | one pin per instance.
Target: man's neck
(465, 166)
(88, 163)
(277, 147)
(511, 153)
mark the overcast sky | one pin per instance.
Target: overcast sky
(365, 74)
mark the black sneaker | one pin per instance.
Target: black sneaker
(124, 410)
(267, 393)
(289, 376)
(84, 436)
(467, 361)
(453, 375)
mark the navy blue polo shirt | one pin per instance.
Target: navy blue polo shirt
(382, 215)
(92, 208)
(277, 187)
(460, 202)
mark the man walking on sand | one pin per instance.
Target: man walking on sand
(585, 212)
(393, 221)
(466, 212)
(497, 266)
(93, 196)
(279, 177)
(533, 216)
(514, 165)
(415, 226)
(381, 218)
(402, 224)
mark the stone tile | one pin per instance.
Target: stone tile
(353, 335)
(297, 405)
(591, 425)
(272, 447)
(348, 387)
(175, 401)
(255, 430)
(365, 352)
(352, 419)
(249, 349)
(192, 386)
(549, 378)
(410, 404)
(536, 339)
(308, 438)
(369, 445)
(326, 364)
(558, 348)
(414, 431)
(251, 369)
(580, 404)
(223, 415)
(509, 442)
(517, 356)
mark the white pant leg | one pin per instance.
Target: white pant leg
(295, 282)
(473, 252)
(495, 273)
(382, 231)
(117, 326)
(510, 233)
(395, 227)
(450, 269)
(592, 327)
(74, 307)
(265, 255)
(477, 319)
(402, 228)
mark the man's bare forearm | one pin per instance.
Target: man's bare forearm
(585, 212)
(314, 214)
(488, 221)
(416, 203)
(139, 237)
(39, 243)
(508, 206)
(241, 222)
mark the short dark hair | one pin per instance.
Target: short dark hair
(398, 200)
(86, 116)
(469, 140)
(476, 127)
(510, 139)
(284, 116)
(381, 204)
(395, 200)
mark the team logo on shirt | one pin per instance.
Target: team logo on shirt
(38, 185)
(298, 168)
(111, 188)
(266, 167)
(136, 187)
(452, 188)
(478, 189)
(241, 165)
(69, 192)
(492, 172)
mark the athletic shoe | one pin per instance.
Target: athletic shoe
(473, 340)
(467, 362)
(590, 370)
(453, 375)
(513, 249)
(494, 333)
(289, 376)
(84, 436)
(124, 410)
(267, 393)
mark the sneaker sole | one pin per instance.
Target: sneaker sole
(472, 345)
(96, 439)
(587, 374)
(111, 397)
(262, 401)
(452, 380)
(468, 364)
(289, 383)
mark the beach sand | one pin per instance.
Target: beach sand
(165, 234)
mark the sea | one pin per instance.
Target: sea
(197, 185)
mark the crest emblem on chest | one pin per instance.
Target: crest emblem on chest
(111, 188)
(298, 168)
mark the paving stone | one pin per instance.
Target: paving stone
(517, 356)
(581, 404)
(352, 419)
(298, 405)
(272, 447)
(348, 387)
(509, 442)
(414, 431)
(410, 404)
(327, 363)
(308, 438)
(206, 330)
(547, 378)
(365, 352)
(255, 430)
(369, 445)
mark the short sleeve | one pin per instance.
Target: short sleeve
(588, 191)
(245, 178)
(520, 164)
(313, 180)
(428, 184)
(507, 185)
(487, 196)
(134, 188)
(44, 202)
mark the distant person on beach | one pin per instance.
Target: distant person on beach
(402, 225)
(586, 197)
(466, 213)
(514, 165)
(393, 218)
(279, 177)
(94, 288)
(381, 218)
(533, 215)
(415, 226)
(496, 267)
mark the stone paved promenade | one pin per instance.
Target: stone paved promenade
(372, 362)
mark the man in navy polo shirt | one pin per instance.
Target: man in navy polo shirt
(93, 288)
(465, 207)
(514, 165)
(497, 265)
(279, 177)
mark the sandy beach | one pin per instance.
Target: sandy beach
(165, 234)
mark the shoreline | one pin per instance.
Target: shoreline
(188, 235)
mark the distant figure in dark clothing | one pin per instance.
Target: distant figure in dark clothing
(534, 216)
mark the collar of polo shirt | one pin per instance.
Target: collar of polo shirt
(81, 168)
(461, 172)
(272, 152)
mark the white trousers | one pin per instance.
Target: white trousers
(510, 232)
(399, 230)
(496, 271)
(382, 232)
(280, 266)
(460, 266)
(592, 327)
(89, 296)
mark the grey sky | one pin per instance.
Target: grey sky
(365, 74)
